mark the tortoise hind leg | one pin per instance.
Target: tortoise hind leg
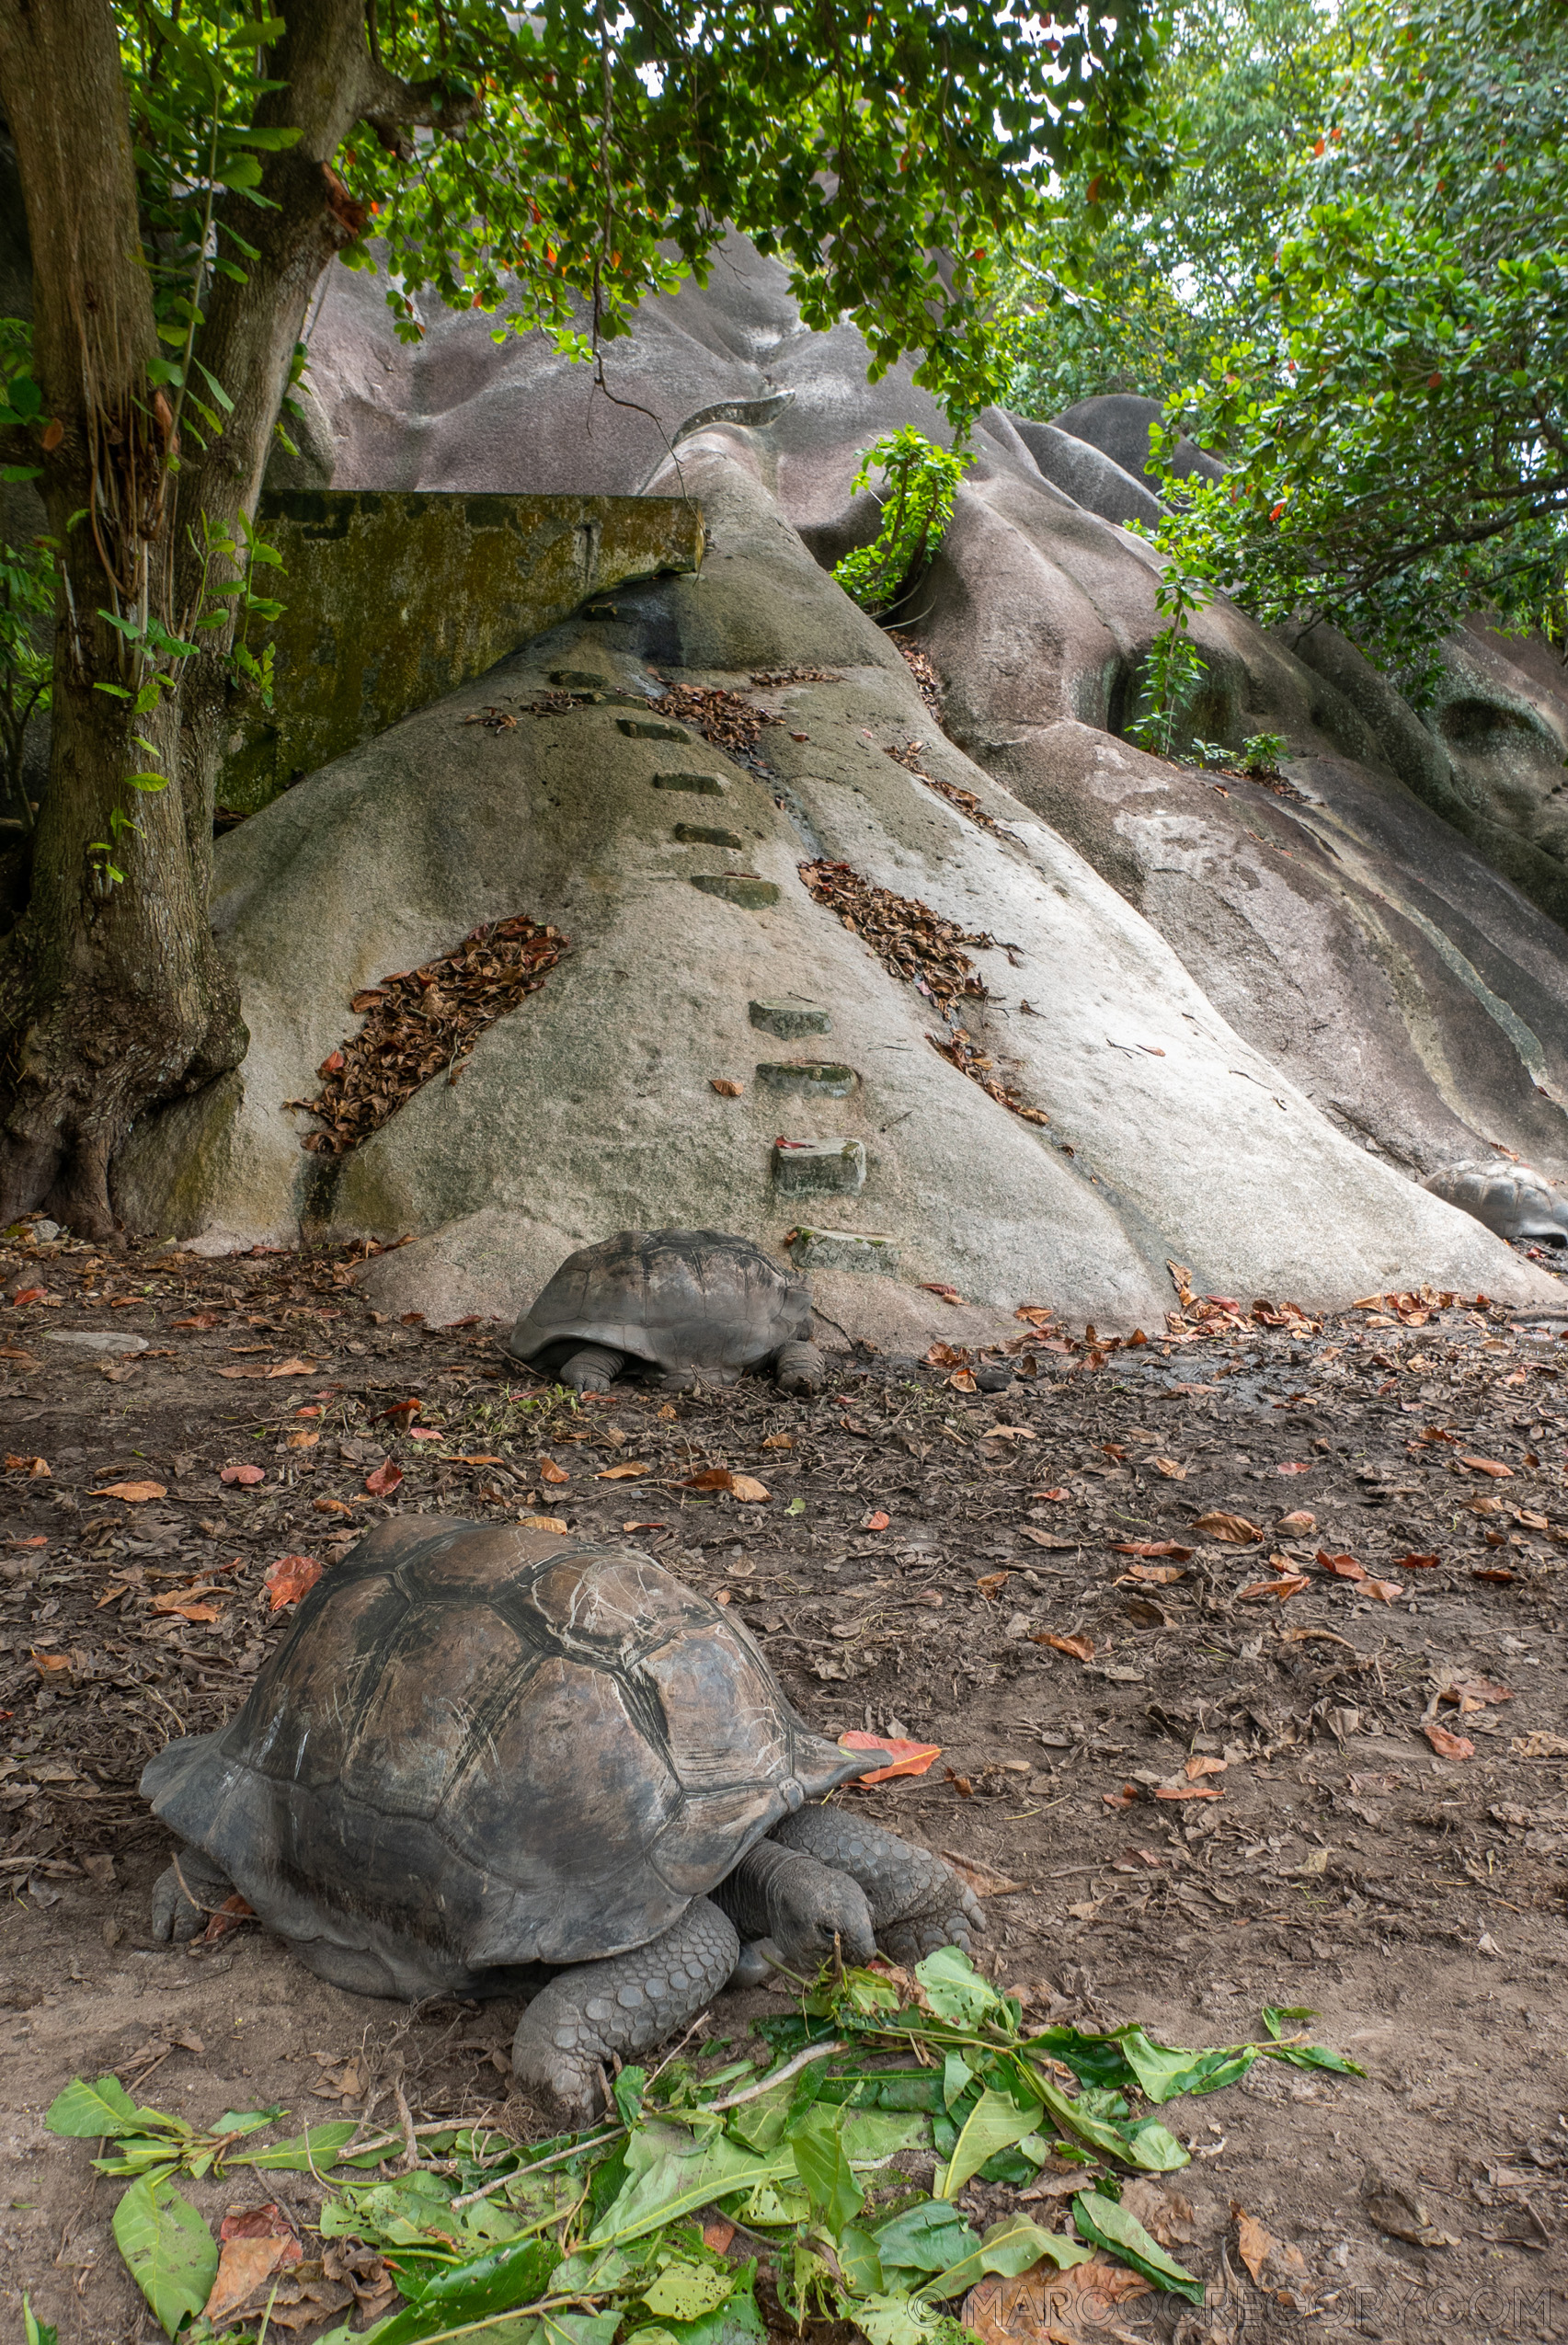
(184, 1894)
(917, 1902)
(592, 1367)
(624, 2005)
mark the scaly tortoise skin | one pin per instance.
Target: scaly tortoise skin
(1511, 1199)
(690, 1304)
(490, 1760)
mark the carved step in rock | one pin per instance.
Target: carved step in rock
(584, 679)
(707, 786)
(819, 1168)
(742, 888)
(789, 1020)
(649, 728)
(820, 1078)
(844, 1250)
(698, 834)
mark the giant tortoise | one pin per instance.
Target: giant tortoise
(497, 1760)
(1512, 1199)
(689, 1303)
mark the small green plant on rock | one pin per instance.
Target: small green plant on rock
(920, 484)
(1261, 752)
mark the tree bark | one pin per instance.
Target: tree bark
(113, 996)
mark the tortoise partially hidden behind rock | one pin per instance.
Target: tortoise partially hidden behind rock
(487, 1752)
(1511, 1199)
(690, 1304)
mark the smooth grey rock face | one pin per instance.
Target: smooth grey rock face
(1511, 1199)
(1088, 475)
(1237, 1004)
(1118, 423)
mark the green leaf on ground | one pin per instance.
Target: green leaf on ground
(83, 2112)
(172, 2255)
(1105, 2224)
(687, 2291)
(929, 2237)
(822, 2162)
(1012, 2247)
(474, 2291)
(995, 2122)
(955, 1991)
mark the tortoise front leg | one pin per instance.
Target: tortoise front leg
(917, 1902)
(624, 2005)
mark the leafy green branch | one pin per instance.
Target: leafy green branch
(591, 2237)
(921, 483)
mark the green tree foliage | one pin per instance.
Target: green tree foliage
(1355, 288)
(1144, 299)
(1397, 421)
(189, 170)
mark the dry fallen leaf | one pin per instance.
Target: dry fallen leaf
(293, 1367)
(134, 1493)
(1293, 1470)
(244, 2263)
(1277, 2266)
(1169, 1468)
(1050, 2307)
(1050, 1493)
(750, 1492)
(627, 1472)
(1395, 2212)
(1448, 1745)
(990, 1584)
(544, 1523)
(300, 1440)
(724, 1088)
(1185, 1792)
(385, 1478)
(1203, 1763)
(1289, 1584)
(1343, 1567)
(1154, 1547)
(982, 1880)
(291, 1577)
(1151, 1576)
(1078, 1648)
(331, 1506)
(1233, 1530)
(1414, 1563)
(1297, 1520)
(246, 1476)
(1540, 1744)
(37, 1468)
(1487, 1466)
(550, 1471)
(962, 1380)
(907, 1757)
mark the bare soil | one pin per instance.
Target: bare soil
(1415, 1901)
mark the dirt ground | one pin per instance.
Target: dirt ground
(1413, 1900)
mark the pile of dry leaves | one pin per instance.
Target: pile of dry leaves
(909, 940)
(964, 800)
(768, 679)
(421, 1022)
(928, 683)
(1228, 1315)
(727, 719)
(957, 1047)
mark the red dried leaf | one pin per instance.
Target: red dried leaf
(1414, 1563)
(385, 1478)
(291, 1577)
(1448, 1745)
(907, 1757)
(246, 1476)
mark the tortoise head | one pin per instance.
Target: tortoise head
(810, 1907)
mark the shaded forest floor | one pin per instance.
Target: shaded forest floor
(1349, 1794)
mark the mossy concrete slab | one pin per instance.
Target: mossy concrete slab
(392, 600)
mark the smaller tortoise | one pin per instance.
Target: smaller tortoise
(491, 1760)
(1511, 1199)
(695, 1305)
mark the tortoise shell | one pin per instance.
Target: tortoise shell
(680, 1299)
(1511, 1199)
(498, 1743)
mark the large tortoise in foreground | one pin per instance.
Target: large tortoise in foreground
(493, 1760)
(686, 1304)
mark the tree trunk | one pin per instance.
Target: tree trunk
(112, 994)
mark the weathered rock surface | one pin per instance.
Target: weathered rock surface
(1243, 1011)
